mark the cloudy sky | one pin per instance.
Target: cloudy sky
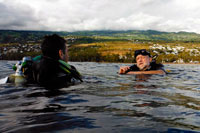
(78, 15)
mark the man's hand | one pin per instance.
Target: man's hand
(123, 69)
(161, 72)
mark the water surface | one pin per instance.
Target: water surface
(105, 102)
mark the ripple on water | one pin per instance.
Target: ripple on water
(105, 102)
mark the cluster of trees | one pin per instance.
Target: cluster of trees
(18, 56)
(85, 39)
(92, 54)
(84, 54)
(185, 57)
(8, 36)
(114, 44)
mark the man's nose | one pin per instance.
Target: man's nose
(140, 60)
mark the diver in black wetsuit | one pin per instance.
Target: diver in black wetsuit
(51, 68)
(144, 65)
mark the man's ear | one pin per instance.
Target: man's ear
(60, 52)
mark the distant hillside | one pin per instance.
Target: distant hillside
(106, 46)
(12, 36)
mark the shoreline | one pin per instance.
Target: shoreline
(125, 62)
(183, 63)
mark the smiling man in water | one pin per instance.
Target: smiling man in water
(144, 65)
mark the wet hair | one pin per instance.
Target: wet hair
(51, 46)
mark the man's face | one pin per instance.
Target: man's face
(143, 61)
(65, 56)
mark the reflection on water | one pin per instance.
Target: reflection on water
(105, 102)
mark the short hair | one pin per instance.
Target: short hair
(51, 46)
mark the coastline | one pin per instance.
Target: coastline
(166, 63)
(135, 63)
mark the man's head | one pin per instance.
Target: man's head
(143, 59)
(54, 46)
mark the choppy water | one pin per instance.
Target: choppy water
(105, 102)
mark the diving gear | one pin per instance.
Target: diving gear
(32, 70)
(68, 69)
(22, 70)
(4, 80)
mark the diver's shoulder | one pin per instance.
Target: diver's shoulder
(156, 66)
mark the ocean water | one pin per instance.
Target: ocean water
(105, 102)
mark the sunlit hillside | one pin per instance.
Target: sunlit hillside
(123, 51)
(106, 46)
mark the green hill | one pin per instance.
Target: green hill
(106, 46)
(12, 36)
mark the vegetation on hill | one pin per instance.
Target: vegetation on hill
(106, 46)
(11, 36)
(178, 52)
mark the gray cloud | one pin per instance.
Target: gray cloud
(75, 15)
(18, 17)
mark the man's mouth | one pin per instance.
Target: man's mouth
(140, 63)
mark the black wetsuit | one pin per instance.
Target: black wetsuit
(47, 72)
(153, 66)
